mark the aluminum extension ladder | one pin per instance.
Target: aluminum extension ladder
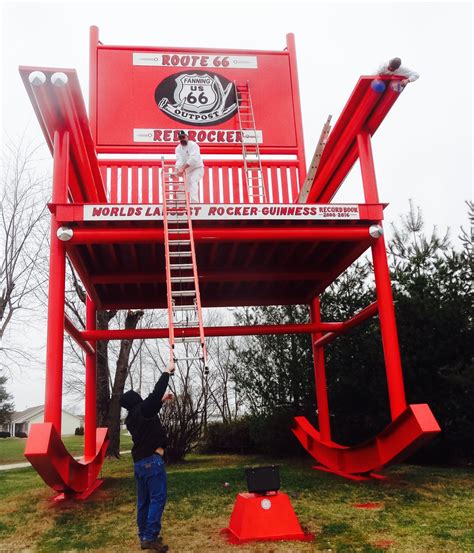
(252, 163)
(182, 283)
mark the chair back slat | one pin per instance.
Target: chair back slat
(223, 182)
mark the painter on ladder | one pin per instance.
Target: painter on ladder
(189, 162)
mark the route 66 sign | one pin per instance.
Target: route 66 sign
(198, 92)
(200, 98)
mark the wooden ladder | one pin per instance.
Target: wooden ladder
(303, 195)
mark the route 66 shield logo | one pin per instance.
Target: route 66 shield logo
(196, 93)
(199, 98)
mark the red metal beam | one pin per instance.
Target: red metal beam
(210, 331)
(372, 124)
(90, 418)
(369, 180)
(356, 320)
(207, 276)
(248, 234)
(56, 292)
(89, 177)
(165, 148)
(388, 328)
(339, 175)
(324, 418)
(357, 120)
(341, 151)
(78, 265)
(291, 47)
(75, 334)
(93, 42)
(342, 263)
(209, 162)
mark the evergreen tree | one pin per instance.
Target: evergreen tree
(6, 404)
(432, 286)
(273, 371)
(433, 290)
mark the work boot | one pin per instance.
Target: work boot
(155, 545)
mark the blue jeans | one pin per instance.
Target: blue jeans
(150, 476)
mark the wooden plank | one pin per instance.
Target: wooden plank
(315, 161)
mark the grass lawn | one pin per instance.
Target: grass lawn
(11, 449)
(421, 509)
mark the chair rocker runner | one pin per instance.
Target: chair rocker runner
(182, 283)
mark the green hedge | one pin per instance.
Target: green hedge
(267, 434)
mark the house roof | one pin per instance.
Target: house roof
(21, 416)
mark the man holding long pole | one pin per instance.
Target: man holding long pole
(149, 442)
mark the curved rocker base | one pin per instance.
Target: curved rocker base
(57, 467)
(402, 437)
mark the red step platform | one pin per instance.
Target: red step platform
(264, 518)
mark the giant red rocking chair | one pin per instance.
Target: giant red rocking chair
(264, 233)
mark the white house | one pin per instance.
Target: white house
(21, 421)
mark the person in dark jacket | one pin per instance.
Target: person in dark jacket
(149, 442)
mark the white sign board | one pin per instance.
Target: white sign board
(223, 212)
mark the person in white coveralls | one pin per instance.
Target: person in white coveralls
(395, 67)
(189, 162)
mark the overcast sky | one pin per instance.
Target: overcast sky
(423, 150)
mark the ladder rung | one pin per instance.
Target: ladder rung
(173, 242)
(178, 230)
(185, 307)
(188, 339)
(180, 254)
(177, 359)
(181, 266)
(182, 279)
(183, 292)
(186, 324)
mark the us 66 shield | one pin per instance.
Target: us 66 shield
(200, 98)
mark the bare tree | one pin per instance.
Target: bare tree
(198, 397)
(139, 364)
(110, 383)
(22, 233)
(225, 399)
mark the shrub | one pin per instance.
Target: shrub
(228, 437)
(5, 435)
(79, 431)
(269, 434)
